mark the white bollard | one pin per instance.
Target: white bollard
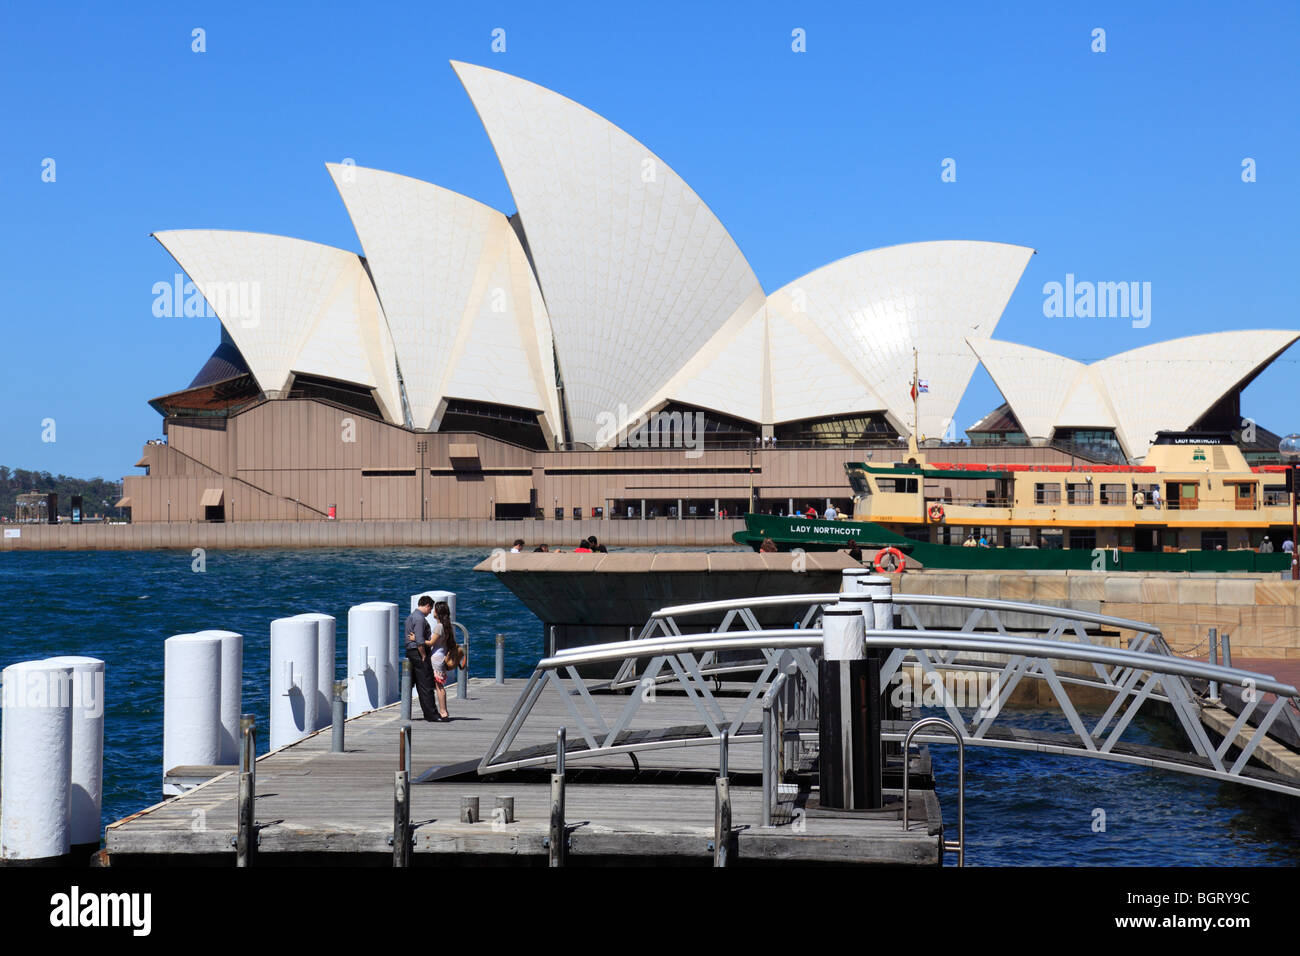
(448, 596)
(232, 687)
(36, 758)
(368, 660)
(881, 590)
(191, 703)
(842, 633)
(325, 666)
(87, 782)
(294, 675)
(393, 652)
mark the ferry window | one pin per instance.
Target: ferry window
(1021, 538)
(1078, 493)
(1081, 539)
(897, 485)
(1171, 539)
(1126, 538)
(1047, 493)
(858, 482)
(1113, 494)
(1213, 540)
(1052, 540)
(1276, 495)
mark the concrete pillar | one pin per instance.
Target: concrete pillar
(232, 686)
(36, 761)
(679, 509)
(294, 674)
(326, 635)
(643, 509)
(391, 658)
(86, 791)
(191, 703)
(367, 661)
(789, 503)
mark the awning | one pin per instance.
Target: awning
(123, 503)
(143, 462)
(513, 489)
(462, 450)
(211, 498)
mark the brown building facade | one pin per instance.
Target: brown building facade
(311, 460)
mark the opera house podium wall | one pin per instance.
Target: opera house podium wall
(303, 460)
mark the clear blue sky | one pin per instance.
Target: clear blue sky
(1123, 165)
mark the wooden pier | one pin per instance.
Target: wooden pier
(324, 808)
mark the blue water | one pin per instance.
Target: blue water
(120, 606)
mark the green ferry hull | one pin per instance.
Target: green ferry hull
(818, 534)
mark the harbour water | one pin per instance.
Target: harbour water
(120, 606)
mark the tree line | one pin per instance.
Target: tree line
(94, 491)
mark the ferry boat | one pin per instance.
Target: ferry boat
(1194, 504)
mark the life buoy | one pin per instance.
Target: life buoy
(936, 512)
(899, 562)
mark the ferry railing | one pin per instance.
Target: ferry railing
(605, 737)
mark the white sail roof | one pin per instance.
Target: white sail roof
(465, 311)
(637, 272)
(875, 307)
(1169, 385)
(1165, 386)
(1035, 383)
(292, 306)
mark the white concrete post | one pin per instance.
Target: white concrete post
(367, 658)
(232, 688)
(293, 679)
(36, 759)
(191, 703)
(87, 782)
(392, 656)
(325, 665)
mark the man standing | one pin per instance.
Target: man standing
(419, 642)
(831, 513)
(1266, 547)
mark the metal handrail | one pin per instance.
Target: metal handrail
(832, 597)
(960, 845)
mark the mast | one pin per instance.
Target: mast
(916, 394)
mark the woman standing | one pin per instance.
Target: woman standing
(443, 640)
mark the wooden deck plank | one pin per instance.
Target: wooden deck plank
(310, 800)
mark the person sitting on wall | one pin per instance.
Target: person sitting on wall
(596, 546)
(542, 548)
(856, 554)
(768, 546)
(582, 547)
(518, 546)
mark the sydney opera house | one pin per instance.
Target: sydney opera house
(606, 350)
